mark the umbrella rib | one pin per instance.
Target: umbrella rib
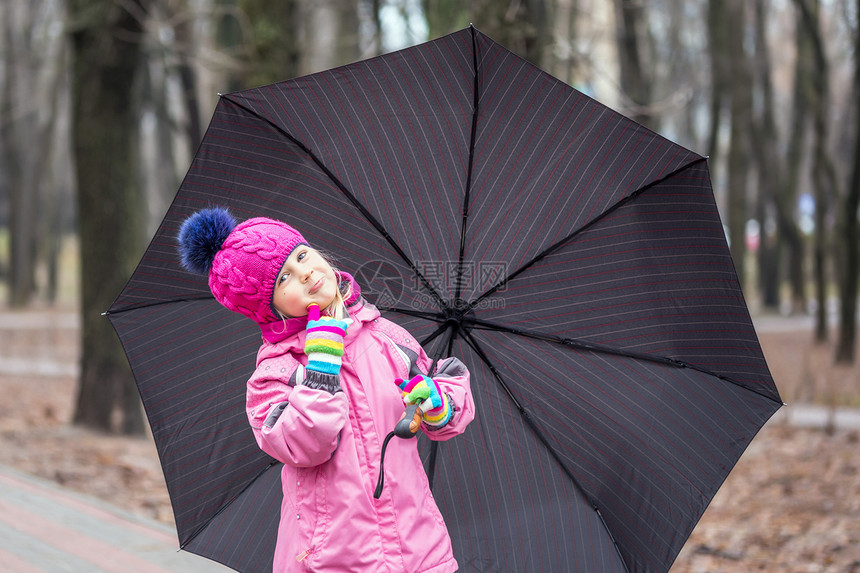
(603, 349)
(474, 345)
(470, 340)
(157, 303)
(434, 335)
(434, 316)
(368, 216)
(468, 192)
(434, 444)
(562, 242)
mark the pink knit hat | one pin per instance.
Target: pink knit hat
(242, 261)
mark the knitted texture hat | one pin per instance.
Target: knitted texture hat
(242, 261)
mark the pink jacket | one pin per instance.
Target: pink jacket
(330, 446)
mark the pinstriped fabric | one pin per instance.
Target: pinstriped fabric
(249, 525)
(561, 158)
(607, 417)
(395, 132)
(504, 501)
(654, 277)
(615, 369)
(192, 381)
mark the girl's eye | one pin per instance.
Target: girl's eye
(301, 255)
(283, 277)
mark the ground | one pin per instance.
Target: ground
(790, 505)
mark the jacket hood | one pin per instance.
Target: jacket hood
(280, 330)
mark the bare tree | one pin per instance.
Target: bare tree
(823, 171)
(519, 25)
(790, 233)
(740, 90)
(182, 17)
(768, 161)
(29, 102)
(18, 131)
(683, 58)
(272, 40)
(444, 16)
(563, 61)
(717, 41)
(160, 138)
(634, 60)
(847, 338)
(331, 34)
(106, 45)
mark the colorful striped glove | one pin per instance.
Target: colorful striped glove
(425, 392)
(324, 349)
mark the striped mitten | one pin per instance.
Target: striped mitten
(324, 349)
(425, 391)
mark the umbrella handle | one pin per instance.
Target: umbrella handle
(406, 427)
(409, 423)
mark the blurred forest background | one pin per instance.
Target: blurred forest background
(103, 104)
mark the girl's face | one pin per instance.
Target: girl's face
(305, 278)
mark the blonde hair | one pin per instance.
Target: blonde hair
(337, 308)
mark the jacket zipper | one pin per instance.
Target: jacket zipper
(304, 554)
(399, 352)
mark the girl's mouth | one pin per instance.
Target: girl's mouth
(317, 286)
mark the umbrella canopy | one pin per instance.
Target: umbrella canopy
(573, 259)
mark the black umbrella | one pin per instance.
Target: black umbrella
(572, 258)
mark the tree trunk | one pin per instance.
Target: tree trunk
(106, 53)
(847, 340)
(228, 42)
(563, 63)
(636, 83)
(334, 40)
(275, 52)
(823, 171)
(717, 41)
(156, 146)
(444, 16)
(519, 25)
(684, 73)
(26, 130)
(49, 229)
(765, 143)
(739, 147)
(185, 41)
(786, 200)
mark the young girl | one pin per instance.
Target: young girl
(331, 381)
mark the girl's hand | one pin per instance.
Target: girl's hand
(425, 392)
(324, 342)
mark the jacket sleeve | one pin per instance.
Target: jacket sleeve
(453, 379)
(295, 424)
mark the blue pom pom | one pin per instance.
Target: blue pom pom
(201, 237)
